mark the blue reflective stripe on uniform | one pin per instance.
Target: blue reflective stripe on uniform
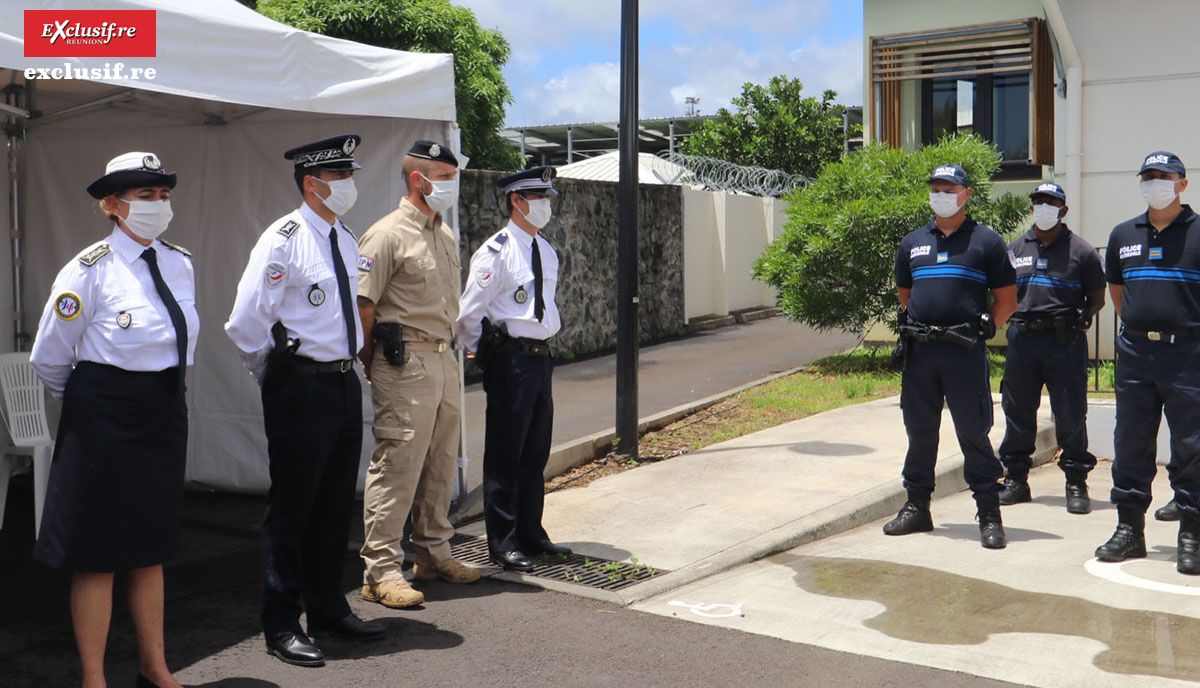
(1048, 281)
(958, 271)
(1140, 274)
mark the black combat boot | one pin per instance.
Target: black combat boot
(1129, 539)
(1189, 546)
(1168, 512)
(991, 529)
(1016, 490)
(1078, 501)
(913, 518)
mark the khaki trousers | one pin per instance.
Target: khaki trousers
(417, 411)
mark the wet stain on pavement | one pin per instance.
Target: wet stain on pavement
(935, 607)
(822, 448)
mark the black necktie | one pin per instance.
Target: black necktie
(173, 310)
(343, 281)
(539, 306)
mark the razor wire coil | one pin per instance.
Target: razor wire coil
(721, 175)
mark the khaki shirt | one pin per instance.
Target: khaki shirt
(408, 267)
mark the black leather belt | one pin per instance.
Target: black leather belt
(1168, 336)
(1046, 324)
(526, 346)
(307, 366)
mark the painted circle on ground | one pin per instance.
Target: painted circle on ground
(1114, 573)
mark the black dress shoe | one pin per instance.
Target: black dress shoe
(514, 560)
(349, 627)
(547, 547)
(911, 519)
(1127, 542)
(1078, 501)
(294, 648)
(1168, 512)
(1189, 548)
(991, 530)
(1016, 491)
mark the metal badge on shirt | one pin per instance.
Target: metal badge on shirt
(316, 295)
(521, 296)
(124, 319)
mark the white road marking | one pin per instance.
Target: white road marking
(708, 610)
(1112, 572)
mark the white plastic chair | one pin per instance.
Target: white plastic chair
(24, 412)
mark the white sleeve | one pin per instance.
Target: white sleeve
(53, 356)
(256, 306)
(482, 283)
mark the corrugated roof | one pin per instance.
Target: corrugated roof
(607, 168)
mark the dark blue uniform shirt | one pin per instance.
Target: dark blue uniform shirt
(1160, 272)
(950, 276)
(1053, 280)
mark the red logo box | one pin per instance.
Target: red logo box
(90, 33)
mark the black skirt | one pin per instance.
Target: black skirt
(116, 480)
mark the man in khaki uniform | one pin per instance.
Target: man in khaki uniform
(408, 271)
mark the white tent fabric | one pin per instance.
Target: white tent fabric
(607, 168)
(223, 51)
(233, 181)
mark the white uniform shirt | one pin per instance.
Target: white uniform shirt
(290, 279)
(500, 287)
(110, 312)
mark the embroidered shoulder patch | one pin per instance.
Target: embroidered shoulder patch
(1012, 258)
(365, 264)
(67, 305)
(484, 276)
(176, 247)
(274, 274)
(93, 256)
(289, 228)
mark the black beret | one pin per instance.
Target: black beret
(429, 150)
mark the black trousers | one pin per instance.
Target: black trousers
(1153, 379)
(937, 372)
(1036, 359)
(314, 439)
(516, 447)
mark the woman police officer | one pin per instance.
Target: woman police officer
(113, 342)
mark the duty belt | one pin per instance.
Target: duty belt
(962, 334)
(307, 366)
(1042, 324)
(439, 347)
(1168, 336)
(526, 346)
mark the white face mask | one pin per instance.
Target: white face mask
(1045, 216)
(539, 212)
(342, 195)
(148, 219)
(1159, 193)
(944, 203)
(444, 194)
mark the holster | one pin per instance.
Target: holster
(1060, 330)
(489, 342)
(391, 339)
(280, 363)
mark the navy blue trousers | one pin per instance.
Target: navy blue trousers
(937, 373)
(314, 440)
(1036, 359)
(1153, 379)
(516, 447)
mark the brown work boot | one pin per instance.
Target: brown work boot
(393, 592)
(449, 570)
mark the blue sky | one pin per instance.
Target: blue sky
(565, 62)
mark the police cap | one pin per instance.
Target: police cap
(1163, 161)
(333, 153)
(131, 170)
(951, 173)
(538, 180)
(1050, 190)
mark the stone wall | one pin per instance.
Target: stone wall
(584, 231)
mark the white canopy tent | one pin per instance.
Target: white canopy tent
(232, 91)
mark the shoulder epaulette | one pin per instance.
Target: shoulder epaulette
(349, 231)
(93, 256)
(497, 242)
(176, 247)
(289, 228)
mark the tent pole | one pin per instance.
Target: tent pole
(15, 133)
(453, 137)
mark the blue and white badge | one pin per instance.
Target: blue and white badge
(943, 256)
(316, 295)
(1042, 263)
(1156, 253)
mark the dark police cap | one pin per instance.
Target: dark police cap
(1049, 189)
(429, 150)
(951, 173)
(539, 180)
(333, 153)
(1164, 161)
(129, 171)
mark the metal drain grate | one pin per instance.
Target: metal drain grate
(592, 572)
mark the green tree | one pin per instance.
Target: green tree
(774, 127)
(834, 263)
(430, 26)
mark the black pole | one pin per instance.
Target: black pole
(627, 247)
